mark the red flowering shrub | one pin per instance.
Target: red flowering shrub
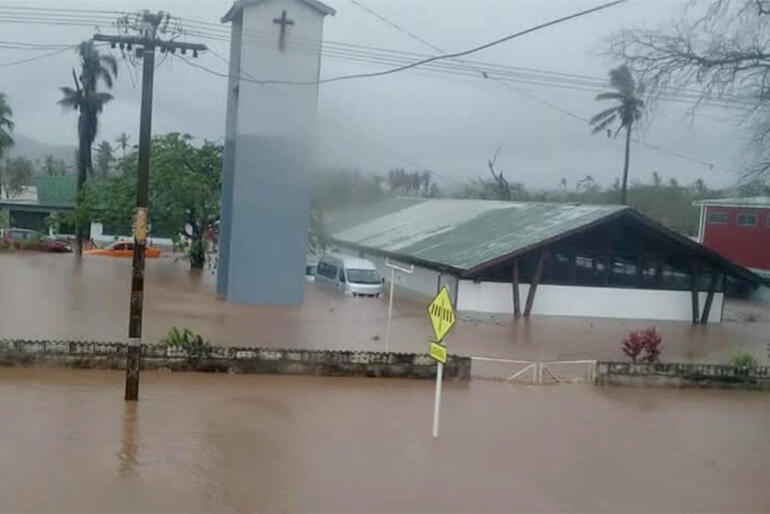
(643, 345)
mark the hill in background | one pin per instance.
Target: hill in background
(35, 150)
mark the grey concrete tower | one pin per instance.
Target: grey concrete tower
(268, 145)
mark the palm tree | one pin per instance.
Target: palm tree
(122, 141)
(89, 102)
(6, 126)
(628, 110)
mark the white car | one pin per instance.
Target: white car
(350, 275)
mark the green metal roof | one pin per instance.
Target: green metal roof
(462, 234)
(56, 189)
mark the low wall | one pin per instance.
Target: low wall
(80, 354)
(682, 375)
(593, 302)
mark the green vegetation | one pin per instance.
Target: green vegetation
(104, 159)
(193, 344)
(89, 102)
(184, 195)
(6, 127)
(668, 203)
(53, 167)
(18, 174)
(744, 360)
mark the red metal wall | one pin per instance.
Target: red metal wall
(749, 246)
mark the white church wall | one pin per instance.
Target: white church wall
(279, 109)
(595, 302)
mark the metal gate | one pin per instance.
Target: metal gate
(535, 372)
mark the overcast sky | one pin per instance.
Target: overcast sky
(447, 124)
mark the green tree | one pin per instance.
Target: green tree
(122, 141)
(6, 127)
(53, 167)
(18, 173)
(627, 93)
(104, 158)
(184, 194)
(89, 102)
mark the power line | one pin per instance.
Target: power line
(36, 58)
(396, 26)
(351, 53)
(56, 9)
(452, 55)
(374, 55)
(530, 95)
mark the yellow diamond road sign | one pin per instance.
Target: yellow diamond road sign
(442, 315)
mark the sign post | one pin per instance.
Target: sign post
(393, 267)
(442, 319)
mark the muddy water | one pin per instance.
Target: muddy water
(236, 443)
(49, 296)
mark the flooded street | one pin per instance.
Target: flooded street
(49, 296)
(238, 443)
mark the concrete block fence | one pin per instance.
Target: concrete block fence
(106, 355)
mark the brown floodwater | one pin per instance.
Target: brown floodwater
(247, 443)
(50, 296)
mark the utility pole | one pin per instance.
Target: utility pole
(148, 26)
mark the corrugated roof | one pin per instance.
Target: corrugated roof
(751, 201)
(61, 189)
(462, 234)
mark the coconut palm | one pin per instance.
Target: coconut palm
(627, 93)
(6, 126)
(89, 102)
(122, 141)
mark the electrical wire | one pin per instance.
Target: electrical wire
(530, 95)
(471, 68)
(36, 58)
(373, 55)
(447, 56)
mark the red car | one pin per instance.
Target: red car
(24, 239)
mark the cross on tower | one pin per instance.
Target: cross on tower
(283, 22)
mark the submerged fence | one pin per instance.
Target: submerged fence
(99, 355)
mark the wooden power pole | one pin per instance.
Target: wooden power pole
(144, 44)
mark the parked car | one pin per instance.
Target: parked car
(23, 239)
(123, 249)
(349, 275)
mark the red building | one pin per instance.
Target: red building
(738, 228)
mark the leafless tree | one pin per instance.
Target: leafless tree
(723, 50)
(502, 189)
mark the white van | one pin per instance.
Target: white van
(350, 275)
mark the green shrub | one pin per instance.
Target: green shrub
(744, 360)
(194, 344)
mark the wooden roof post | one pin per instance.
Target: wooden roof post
(533, 285)
(515, 285)
(694, 292)
(709, 298)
